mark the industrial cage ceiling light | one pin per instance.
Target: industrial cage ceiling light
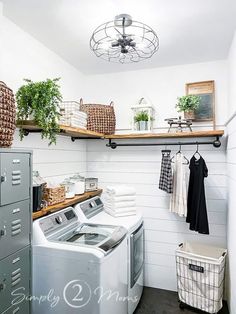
(124, 40)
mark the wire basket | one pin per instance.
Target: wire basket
(68, 107)
(200, 276)
(71, 115)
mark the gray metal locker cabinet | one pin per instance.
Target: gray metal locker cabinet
(15, 230)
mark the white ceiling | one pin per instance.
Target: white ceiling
(189, 30)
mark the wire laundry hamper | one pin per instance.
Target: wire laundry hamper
(200, 276)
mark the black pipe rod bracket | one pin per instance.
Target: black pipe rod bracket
(74, 138)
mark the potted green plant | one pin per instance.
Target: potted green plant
(40, 101)
(188, 104)
(141, 119)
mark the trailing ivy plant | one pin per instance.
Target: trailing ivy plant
(40, 100)
(188, 103)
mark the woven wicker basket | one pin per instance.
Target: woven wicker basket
(101, 118)
(54, 195)
(7, 115)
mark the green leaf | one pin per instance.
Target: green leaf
(41, 99)
(188, 103)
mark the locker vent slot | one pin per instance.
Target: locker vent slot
(16, 227)
(15, 282)
(16, 310)
(15, 272)
(16, 177)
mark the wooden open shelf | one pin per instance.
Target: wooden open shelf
(30, 126)
(167, 135)
(66, 203)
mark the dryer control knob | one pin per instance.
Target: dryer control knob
(58, 220)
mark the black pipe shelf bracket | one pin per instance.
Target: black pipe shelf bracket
(216, 143)
(74, 138)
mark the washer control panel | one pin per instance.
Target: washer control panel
(91, 207)
(58, 220)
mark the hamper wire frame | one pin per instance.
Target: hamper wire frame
(200, 280)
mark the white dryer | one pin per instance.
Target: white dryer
(78, 267)
(92, 211)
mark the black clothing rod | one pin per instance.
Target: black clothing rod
(114, 145)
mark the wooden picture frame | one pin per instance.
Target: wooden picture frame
(206, 91)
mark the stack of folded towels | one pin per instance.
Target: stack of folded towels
(79, 119)
(120, 200)
(74, 118)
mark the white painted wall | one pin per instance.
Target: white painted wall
(161, 86)
(231, 172)
(232, 77)
(140, 167)
(21, 56)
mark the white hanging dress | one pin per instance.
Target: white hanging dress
(178, 200)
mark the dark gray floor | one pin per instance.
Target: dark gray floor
(157, 301)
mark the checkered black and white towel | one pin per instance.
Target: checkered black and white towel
(166, 177)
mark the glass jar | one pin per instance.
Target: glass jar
(69, 187)
(79, 182)
(37, 179)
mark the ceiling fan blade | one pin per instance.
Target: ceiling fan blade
(132, 44)
(115, 44)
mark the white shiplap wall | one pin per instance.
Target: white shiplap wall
(55, 162)
(231, 172)
(140, 167)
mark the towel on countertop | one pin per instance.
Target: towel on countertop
(118, 199)
(120, 190)
(120, 209)
(120, 205)
(128, 212)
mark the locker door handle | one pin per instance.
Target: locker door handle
(2, 232)
(2, 286)
(3, 178)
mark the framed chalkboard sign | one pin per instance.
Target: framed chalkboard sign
(206, 91)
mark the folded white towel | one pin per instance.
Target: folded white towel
(116, 205)
(79, 120)
(80, 126)
(77, 125)
(120, 190)
(122, 214)
(112, 198)
(121, 210)
(81, 114)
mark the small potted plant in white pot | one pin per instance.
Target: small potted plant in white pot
(188, 104)
(141, 119)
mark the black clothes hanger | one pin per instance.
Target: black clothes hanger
(166, 151)
(179, 152)
(197, 152)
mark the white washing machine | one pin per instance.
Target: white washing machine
(78, 267)
(92, 211)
